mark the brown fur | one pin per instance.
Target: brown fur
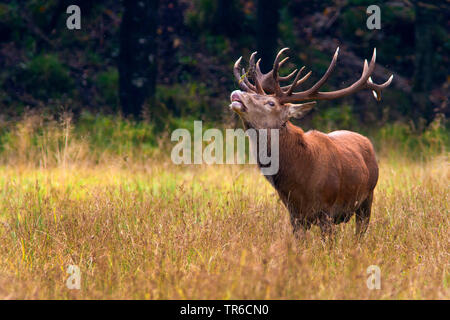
(324, 178)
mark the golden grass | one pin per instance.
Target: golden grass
(160, 231)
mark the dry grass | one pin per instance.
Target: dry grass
(153, 230)
(165, 232)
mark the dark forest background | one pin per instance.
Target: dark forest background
(159, 61)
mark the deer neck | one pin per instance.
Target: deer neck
(295, 159)
(293, 150)
(292, 136)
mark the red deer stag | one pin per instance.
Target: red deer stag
(323, 179)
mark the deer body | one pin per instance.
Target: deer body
(322, 179)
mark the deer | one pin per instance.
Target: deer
(323, 179)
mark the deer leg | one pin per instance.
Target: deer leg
(363, 215)
(299, 226)
(327, 226)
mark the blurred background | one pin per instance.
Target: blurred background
(86, 177)
(136, 70)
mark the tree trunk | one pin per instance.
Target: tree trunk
(423, 63)
(137, 59)
(267, 32)
(225, 18)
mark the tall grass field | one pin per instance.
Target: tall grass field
(102, 194)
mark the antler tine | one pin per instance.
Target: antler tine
(327, 74)
(288, 77)
(256, 78)
(267, 79)
(376, 88)
(293, 84)
(240, 78)
(258, 69)
(367, 70)
(276, 66)
(299, 82)
(252, 61)
(271, 80)
(361, 83)
(277, 58)
(283, 61)
(247, 82)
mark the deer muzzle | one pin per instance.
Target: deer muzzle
(236, 102)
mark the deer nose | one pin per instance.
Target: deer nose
(236, 96)
(236, 103)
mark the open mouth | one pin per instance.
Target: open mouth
(236, 103)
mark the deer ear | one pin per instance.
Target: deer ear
(299, 110)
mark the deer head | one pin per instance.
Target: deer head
(267, 104)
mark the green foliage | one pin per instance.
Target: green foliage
(217, 44)
(287, 28)
(335, 118)
(401, 138)
(108, 84)
(45, 76)
(184, 100)
(97, 138)
(38, 49)
(200, 15)
(115, 134)
(37, 139)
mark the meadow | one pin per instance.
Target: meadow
(104, 198)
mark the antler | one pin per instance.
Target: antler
(270, 82)
(263, 82)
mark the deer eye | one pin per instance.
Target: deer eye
(271, 103)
